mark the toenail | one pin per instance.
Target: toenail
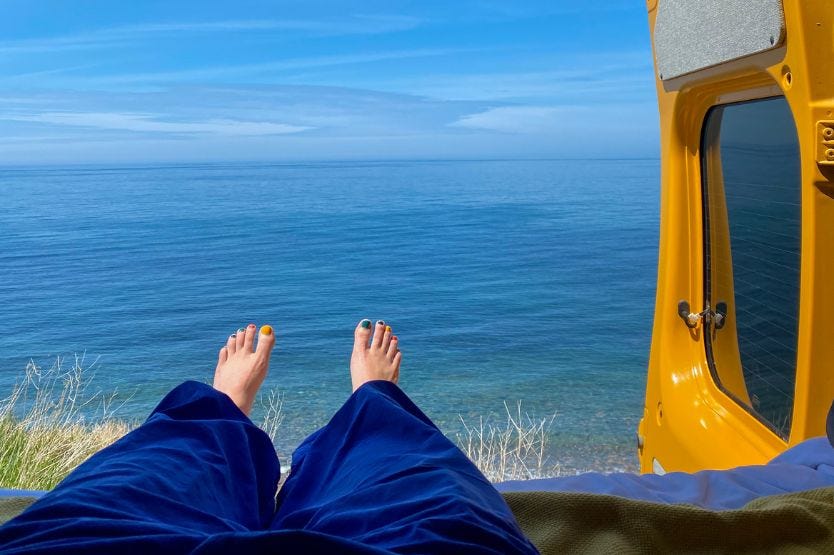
(380, 323)
(240, 330)
(394, 338)
(365, 324)
(266, 330)
(387, 328)
(232, 336)
(251, 325)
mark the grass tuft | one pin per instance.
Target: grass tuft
(515, 449)
(43, 433)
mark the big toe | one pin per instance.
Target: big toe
(266, 341)
(362, 335)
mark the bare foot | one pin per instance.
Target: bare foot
(378, 361)
(242, 367)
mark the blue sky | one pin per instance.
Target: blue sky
(86, 81)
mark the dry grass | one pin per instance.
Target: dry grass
(272, 403)
(43, 433)
(515, 449)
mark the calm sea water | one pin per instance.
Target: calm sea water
(505, 281)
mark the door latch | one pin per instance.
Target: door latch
(717, 317)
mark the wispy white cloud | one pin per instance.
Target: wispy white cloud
(241, 71)
(601, 77)
(580, 122)
(126, 34)
(356, 24)
(199, 114)
(228, 111)
(621, 82)
(24, 100)
(152, 123)
(47, 72)
(513, 119)
(301, 122)
(527, 9)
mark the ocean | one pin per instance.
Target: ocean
(506, 282)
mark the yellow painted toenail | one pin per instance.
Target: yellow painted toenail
(266, 330)
(387, 328)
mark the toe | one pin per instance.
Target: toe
(361, 335)
(396, 362)
(379, 334)
(386, 339)
(249, 338)
(393, 346)
(266, 341)
(231, 344)
(223, 356)
(240, 336)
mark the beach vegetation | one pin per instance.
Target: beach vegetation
(44, 430)
(510, 447)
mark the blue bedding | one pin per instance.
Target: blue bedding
(809, 465)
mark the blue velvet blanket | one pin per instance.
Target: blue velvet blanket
(809, 465)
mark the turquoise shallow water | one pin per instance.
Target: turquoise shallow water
(506, 281)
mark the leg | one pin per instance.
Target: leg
(196, 467)
(382, 474)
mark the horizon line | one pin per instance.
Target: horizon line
(150, 164)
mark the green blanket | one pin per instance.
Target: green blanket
(586, 523)
(10, 507)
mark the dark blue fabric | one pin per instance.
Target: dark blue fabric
(199, 477)
(384, 446)
(809, 465)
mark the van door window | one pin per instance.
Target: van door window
(751, 193)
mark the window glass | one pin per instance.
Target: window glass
(752, 237)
